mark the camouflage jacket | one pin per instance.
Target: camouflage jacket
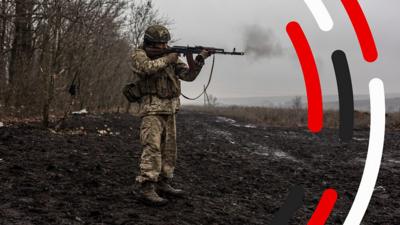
(159, 69)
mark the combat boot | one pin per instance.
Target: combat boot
(149, 195)
(165, 187)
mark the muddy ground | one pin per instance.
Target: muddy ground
(235, 173)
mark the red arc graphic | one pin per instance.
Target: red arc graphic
(324, 208)
(311, 76)
(363, 31)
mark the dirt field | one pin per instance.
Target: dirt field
(236, 173)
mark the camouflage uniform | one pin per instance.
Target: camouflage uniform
(158, 107)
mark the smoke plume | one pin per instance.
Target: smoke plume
(261, 43)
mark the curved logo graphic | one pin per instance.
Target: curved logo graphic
(346, 110)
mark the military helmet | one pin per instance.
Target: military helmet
(156, 34)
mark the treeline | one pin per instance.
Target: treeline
(58, 56)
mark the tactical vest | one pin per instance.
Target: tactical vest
(163, 84)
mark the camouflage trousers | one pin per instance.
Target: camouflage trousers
(158, 138)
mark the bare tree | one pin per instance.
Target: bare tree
(212, 100)
(297, 103)
(58, 56)
(22, 45)
(3, 45)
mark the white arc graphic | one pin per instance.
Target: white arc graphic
(321, 14)
(374, 157)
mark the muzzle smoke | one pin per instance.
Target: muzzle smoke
(261, 43)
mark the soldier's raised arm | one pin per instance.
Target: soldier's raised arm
(190, 72)
(147, 66)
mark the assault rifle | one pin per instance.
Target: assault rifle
(193, 50)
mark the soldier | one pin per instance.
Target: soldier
(160, 86)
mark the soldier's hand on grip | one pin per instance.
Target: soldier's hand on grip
(172, 57)
(205, 54)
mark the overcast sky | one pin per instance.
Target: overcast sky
(222, 23)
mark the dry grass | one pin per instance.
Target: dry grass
(258, 115)
(393, 120)
(286, 117)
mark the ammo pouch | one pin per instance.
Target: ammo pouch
(132, 92)
(166, 88)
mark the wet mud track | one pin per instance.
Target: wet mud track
(235, 173)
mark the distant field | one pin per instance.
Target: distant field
(331, 102)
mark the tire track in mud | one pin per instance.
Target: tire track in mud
(320, 161)
(263, 138)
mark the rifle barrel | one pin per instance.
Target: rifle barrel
(231, 53)
(198, 49)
